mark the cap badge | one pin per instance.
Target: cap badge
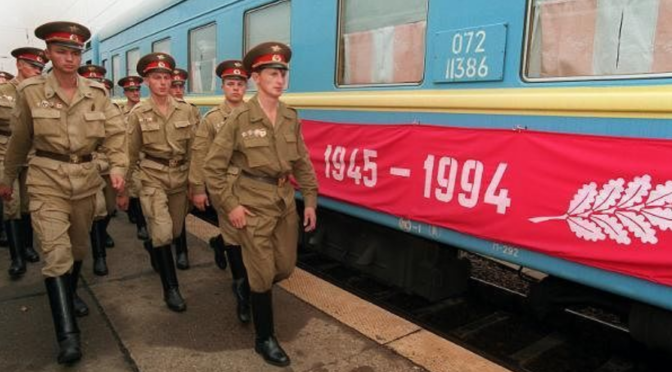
(236, 72)
(276, 48)
(161, 57)
(162, 65)
(237, 64)
(74, 28)
(276, 58)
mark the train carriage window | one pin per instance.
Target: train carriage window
(268, 23)
(202, 59)
(382, 41)
(575, 39)
(132, 58)
(162, 46)
(116, 74)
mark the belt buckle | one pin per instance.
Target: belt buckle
(75, 159)
(173, 163)
(282, 180)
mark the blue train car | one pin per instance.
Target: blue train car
(535, 132)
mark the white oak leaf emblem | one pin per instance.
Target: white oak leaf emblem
(616, 211)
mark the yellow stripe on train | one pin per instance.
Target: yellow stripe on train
(618, 102)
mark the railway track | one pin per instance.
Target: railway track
(495, 322)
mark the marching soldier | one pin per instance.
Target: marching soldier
(247, 168)
(29, 63)
(163, 129)
(177, 87)
(131, 86)
(234, 85)
(64, 117)
(106, 201)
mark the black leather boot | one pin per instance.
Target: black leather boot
(14, 237)
(181, 250)
(152, 254)
(27, 225)
(171, 292)
(240, 286)
(140, 222)
(109, 242)
(3, 233)
(265, 343)
(217, 245)
(132, 216)
(78, 305)
(67, 332)
(98, 248)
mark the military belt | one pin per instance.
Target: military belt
(174, 162)
(65, 158)
(276, 181)
(5, 133)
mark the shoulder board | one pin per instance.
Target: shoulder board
(239, 111)
(95, 84)
(141, 107)
(39, 79)
(211, 111)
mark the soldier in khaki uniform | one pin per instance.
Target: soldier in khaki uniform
(106, 201)
(131, 86)
(163, 129)
(234, 84)
(29, 63)
(177, 87)
(247, 168)
(5, 77)
(64, 117)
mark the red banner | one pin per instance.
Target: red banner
(601, 201)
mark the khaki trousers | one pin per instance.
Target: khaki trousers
(164, 212)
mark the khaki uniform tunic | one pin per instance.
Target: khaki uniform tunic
(19, 203)
(62, 194)
(134, 184)
(248, 144)
(163, 195)
(106, 200)
(212, 122)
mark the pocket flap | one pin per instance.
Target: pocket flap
(290, 137)
(45, 113)
(182, 124)
(6, 103)
(149, 126)
(255, 142)
(93, 116)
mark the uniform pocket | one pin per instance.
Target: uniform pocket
(95, 124)
(151, 132)
(46, 122)
(292, 148)
(5, 110)
(257, 151)
(183, 130)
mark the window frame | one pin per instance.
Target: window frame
(527, 41)
(115, 78)
(167, 38)
(338, 63)
(190, 81)
(132, 71)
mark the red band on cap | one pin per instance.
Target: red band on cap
(158, 65)
(130, 84)
(65, 36)
(92, 75)
(269, 58)
(234, 71)
(32, 57)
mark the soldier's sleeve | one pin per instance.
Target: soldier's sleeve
(217, 164)
(304, 173)
(199, 150)
(20, 142)
(114, 144)
(134, 143)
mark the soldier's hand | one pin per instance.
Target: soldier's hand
(200, 201)
(117, 182)
(309, 219)
(5, 192)
(122, 202)
(237, 216)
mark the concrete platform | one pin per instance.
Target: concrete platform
(322, 328)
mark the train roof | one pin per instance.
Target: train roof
(144, 10)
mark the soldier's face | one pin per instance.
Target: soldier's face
(234, 89)
(27, 70)
(159, 83)
(177, 90)
(270, 81)
(64, 59)
(132, 95)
